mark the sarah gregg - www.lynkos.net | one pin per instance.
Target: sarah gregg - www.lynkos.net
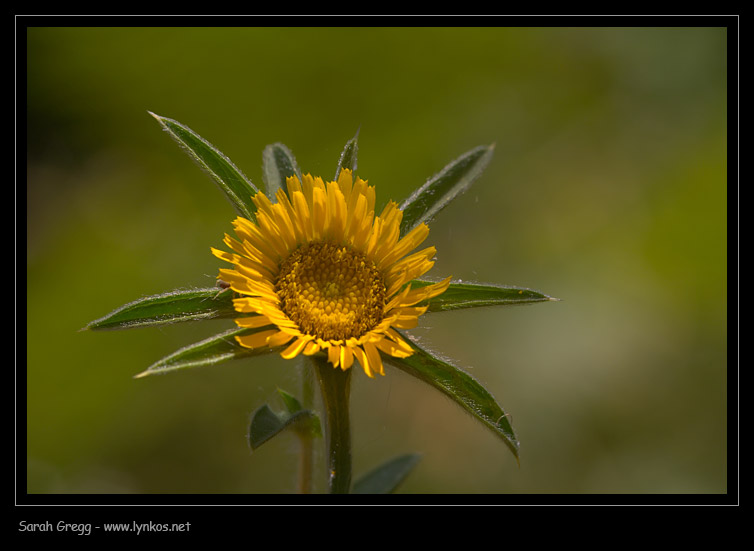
(86, 528)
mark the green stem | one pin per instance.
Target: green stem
(306, 457)
(305, 464)
(335, 385)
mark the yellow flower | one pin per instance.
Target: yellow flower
(320, 271)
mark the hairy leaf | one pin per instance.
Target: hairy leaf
(214, 350)
(461, 387)
(237, 187)
(278, 164)
(441, 189)
(473, 295)
(171, 307)
(266, 424)
(348, 158)
(386, 478)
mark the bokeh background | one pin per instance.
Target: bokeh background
(607, 189)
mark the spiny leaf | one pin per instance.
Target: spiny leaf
(214, 350)
(237, 187)
(438, 191)
(461, 387)
(386, 478)
(473, 295)
(211, 302)
(348, 158)
(171, 307)
(278, 164)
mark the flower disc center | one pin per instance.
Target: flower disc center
(330, 291)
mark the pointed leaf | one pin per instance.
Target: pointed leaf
(445, 186)
(348, 157)
(265, 424)
(386, 478)
(307, 427)
(472, 295)
(278, 164)
(237, 187)
(290, 401)
(214, 350)
(171, 307)
(461, 387)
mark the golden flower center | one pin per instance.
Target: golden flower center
(330, 291)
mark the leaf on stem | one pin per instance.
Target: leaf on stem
(461, 387)
(386, 478)
(441, 189)
(473, 295)
(266, 424)
(170, 307)
(214, 350)
(278, 164)
(237, 187)
(348, 157)
(293, 406)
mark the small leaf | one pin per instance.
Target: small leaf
(473, 295)
(386, 478)
(293, 407)
(278, 164)
(265, 424)
(463, 389)
(214, 350)
(171, 307)
(438, 191)
(348, 158)
(237, 187)
(291, 402)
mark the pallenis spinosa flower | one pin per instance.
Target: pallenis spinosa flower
(317, 274)
(321, 270)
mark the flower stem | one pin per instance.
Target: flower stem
(305, 464)
(335, 385)
(306, 456)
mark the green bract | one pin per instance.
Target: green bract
(211, 303)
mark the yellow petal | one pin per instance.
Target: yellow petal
(333, 355)
(278, 339)
(423, 293)
(272, 235)
(250, 305)
(257, 340)
(285, 203)
(409, 242)
(362, 357)
(337, 213)
(253, 239)
(311, 348)
(397, 339)
(296, 347)
(393, 349)
(253, 321)
(407, 319)
(302, 210)
(345, 182)
(374, 358)
(293, 185)
(319, 213)
(346, 357)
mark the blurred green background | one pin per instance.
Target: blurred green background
(607, 190)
